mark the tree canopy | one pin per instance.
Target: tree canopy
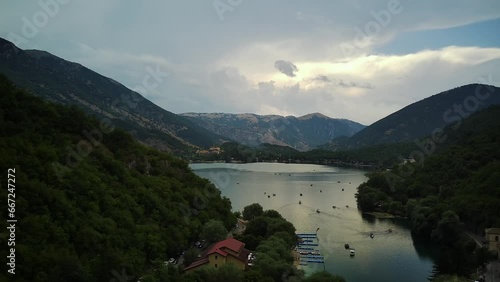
(214, 231)
(252, 211)
(452, 189)
(91, 201)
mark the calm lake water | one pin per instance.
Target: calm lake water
(389, 256)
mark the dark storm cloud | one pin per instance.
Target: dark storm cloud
(286, 67)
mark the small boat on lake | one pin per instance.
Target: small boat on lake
(352, 253)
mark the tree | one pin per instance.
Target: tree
(272, 214)
(324, 276)
(251, 241)
(271, 266)
(237, 214)
(214, 231)
(257, 226)
(252, 211)
(450, 278)
(190, 256)
(448, 228)
(229, 272)
(252, 275)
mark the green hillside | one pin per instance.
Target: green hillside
(91, 207)
(421, 118)
(57, 80)
(454, 186)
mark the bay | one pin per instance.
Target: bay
(388, 256)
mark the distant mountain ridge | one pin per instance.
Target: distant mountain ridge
(65, 82)
(422, 118)
(302, 133)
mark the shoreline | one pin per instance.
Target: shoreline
(383, 215)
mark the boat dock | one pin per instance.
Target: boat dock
(304, 252)
(312, 256)
(305, 249)
(308, 244)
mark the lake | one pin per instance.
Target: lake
(388, 256)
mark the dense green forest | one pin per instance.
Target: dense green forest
(272, 237)
(452, 186)
(93, 204)
(378, 156)
(90, 201)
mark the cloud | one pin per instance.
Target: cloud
(355, 84)
(266, 88)
(233, 72)
(340, 82)
(323, 78)
(286, 67)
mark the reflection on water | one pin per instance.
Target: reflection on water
(388, 256)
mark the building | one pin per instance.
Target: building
(215, 150)
(227, 251)
(493, 239)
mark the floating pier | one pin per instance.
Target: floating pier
(315, 261)
(307, 254)
(305, 249)
(308, 244)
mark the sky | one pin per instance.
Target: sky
(353, 59)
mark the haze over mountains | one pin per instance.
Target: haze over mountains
(58, 80)
(424, 117)
(302, 133)
(65, 82)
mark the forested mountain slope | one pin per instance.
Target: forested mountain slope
(91, 201)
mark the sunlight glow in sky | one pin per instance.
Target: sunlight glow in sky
(359, 60)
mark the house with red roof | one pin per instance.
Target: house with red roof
(223, 252)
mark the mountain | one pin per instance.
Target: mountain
(422, 118)
(455, 187)
(302, 133)
(118, 206)
(61, 81)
